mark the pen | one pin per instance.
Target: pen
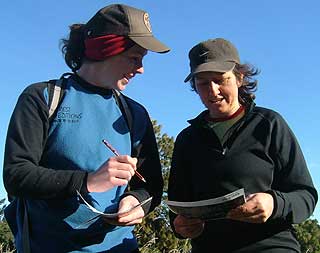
(114, 151)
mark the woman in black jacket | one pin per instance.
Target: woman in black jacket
(235, 144)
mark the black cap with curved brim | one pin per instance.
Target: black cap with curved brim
(217, 55)
(127, 21)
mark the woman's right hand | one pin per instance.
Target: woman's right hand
(188, 227)
(116, 171)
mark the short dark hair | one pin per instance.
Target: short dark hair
(73, 47)
(244, 73)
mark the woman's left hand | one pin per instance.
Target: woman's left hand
(131, 218)
(257, 209)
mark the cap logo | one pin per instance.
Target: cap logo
(146, 21)
(204, 55)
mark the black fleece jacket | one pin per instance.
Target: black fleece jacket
(260, 154)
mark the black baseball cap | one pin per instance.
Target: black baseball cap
(127, 21)
(218, 55)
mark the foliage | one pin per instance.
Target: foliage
(165, 148)
(308, 234)
(6, 237)
(2, 207)
(155, 234)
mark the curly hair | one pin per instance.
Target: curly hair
(73, 47)
(244, 73)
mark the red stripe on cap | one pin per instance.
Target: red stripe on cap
(102, 47)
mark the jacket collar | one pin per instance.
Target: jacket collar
(200, 120)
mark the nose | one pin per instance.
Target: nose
(139, 66)
(140, 70)
(214, 88)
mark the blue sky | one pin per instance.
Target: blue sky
(281, 38)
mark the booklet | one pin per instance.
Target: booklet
(111, 215)
(209, 209)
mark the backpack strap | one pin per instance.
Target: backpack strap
(56, 90)
(55, 96)
(124, 108)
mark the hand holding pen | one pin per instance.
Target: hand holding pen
(114, 151)
(115, 171)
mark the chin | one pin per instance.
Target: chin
(120, 86)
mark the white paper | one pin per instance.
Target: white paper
(111, 215)
(209, 209)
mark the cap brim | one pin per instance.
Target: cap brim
(221, 67)
(150, 43)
